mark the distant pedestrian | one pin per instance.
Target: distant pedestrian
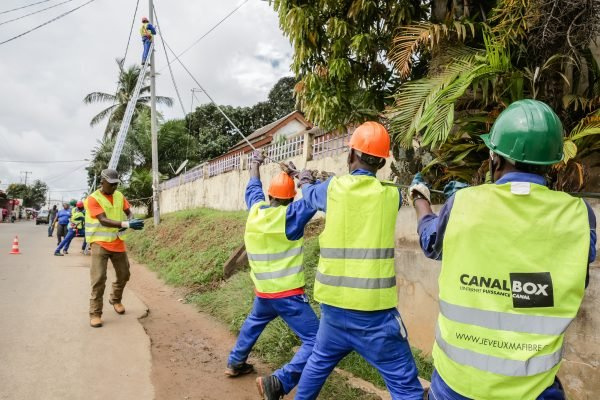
(105, 225)
(62, 218)
(51, 216)
(4, 214)
(147, 31)
(76, 226)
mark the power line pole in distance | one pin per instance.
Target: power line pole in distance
(27, 173)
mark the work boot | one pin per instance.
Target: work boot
(119, 308)
(58, 254)
(269, 387)
(95, 321)
(239, 369)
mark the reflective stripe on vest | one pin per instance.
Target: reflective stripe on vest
(276, 263)
(95, 231)
(356, 268)
(77, 214)
(512, 279)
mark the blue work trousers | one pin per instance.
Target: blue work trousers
(441, 391)
(147, 43)
(298, 315)
(66, 242)
(379, 337)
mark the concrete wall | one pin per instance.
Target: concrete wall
(417, 278)
(226, 191)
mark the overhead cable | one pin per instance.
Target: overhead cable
(209, 97)
(123, 63)
(42, 162)
(169, 63)
(47, 22)
(210, 30)
(22, 7)
(35, 12)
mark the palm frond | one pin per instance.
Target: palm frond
(102, 115)
(98, 97)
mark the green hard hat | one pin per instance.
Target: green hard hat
(73, 202)
(528, 131)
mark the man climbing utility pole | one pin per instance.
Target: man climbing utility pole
(147, 32)
(274, 241)
(356, 279)
(153, 129)
(515, 264)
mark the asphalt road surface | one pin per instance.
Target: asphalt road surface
(47, 348)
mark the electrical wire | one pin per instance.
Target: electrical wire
(41, 162)
(35, 12)
(22, 7)
(162, 40)
(46, 23)
(209, 96)
(209, 31)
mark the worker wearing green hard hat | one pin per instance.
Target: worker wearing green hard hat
(515, 261)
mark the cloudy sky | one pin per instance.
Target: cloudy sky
(45, 75)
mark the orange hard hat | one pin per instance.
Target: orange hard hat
(371, 138)
(282, 187)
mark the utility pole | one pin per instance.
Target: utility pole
(27, 173)
(153, 128)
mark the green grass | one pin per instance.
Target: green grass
(189, 249)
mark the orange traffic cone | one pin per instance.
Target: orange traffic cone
(15, 248)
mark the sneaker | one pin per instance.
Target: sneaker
(95, 321)
(58, 254)
(65, 252)
(239, 369)
(269, 387)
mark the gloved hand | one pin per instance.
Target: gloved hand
(418, 185)
(306, 177)
(453, 187)
(135, 224)
(257, 157)
(290, 169)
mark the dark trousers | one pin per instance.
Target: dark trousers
(61, 232)
(120, 262)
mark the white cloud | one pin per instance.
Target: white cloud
(46, 74)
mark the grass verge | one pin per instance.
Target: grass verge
(189, 249)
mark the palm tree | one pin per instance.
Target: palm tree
(116, 112)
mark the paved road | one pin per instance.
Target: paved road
(47, 348)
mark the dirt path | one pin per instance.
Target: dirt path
(189, 348)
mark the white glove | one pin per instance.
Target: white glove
(124, 224)
(416, 189)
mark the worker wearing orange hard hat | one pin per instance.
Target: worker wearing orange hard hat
(274, 244)
(356, 280)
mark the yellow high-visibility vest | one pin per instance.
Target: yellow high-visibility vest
(513, 277)
(94, 230)
(276, 262)
(356, 268)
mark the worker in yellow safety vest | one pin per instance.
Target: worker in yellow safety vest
(107, 216)
(147, 32)
(515, 257)
(356, 280)
(274, 241)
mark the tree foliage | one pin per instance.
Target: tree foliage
(340, 54)
(33, 195)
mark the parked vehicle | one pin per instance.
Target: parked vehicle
(42, 217)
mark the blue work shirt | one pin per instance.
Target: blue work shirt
(64, 216)
(316, 194)
(431, 230)
(297, 215)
